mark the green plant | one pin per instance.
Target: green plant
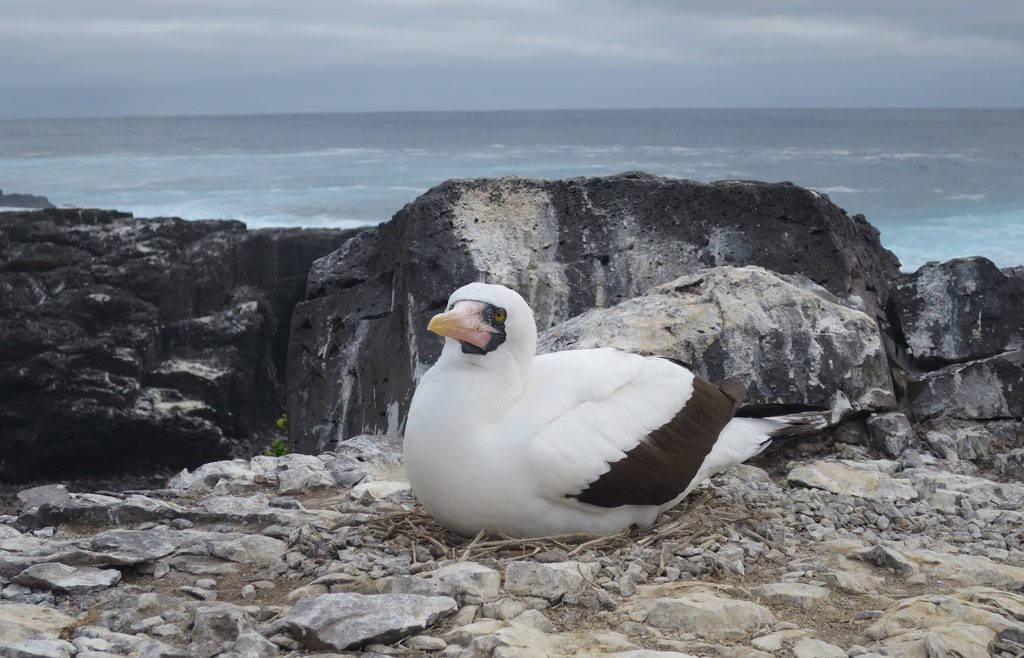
(278, 448)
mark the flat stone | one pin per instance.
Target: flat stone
(467, 582)
(61, 578)
(550, 581)
(235, 472)
(963, 623)
(378, 490)
(258, 550)
(796, 595)
(30, 622)
(708, 615)
(861, 479)
(944, 489)
(47, 493)
(811, 648)
(344, 621)
(775, 641)
(38, 649)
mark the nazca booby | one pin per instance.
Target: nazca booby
(590, 440)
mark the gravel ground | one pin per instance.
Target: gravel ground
(821, 554)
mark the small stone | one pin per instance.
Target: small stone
(306, 592)
(216, 628)
(201, 594)
(775, 641)
(504, 609)
(38, 649)
(550, 581)
(343, 621)
(535, 619)
(468, 582)
(206, 583)
(708, 615)
(797, 595)
(251, 644)
(248, 592)
(425, 643)
(61, 578)
(811, 648)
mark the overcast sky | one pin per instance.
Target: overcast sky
(131, 57)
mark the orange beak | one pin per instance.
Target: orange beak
(463, 323)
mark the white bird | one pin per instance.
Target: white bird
(501, 439)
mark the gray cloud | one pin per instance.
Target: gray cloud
(110, 57)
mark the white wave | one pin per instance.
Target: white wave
(997, 236)
(839, 189)
(967, 197)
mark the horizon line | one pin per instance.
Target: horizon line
(727, 108)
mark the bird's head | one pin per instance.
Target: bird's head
(487, 323)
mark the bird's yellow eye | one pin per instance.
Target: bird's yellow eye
(500, 315)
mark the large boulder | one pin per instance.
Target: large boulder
(960, 310)
(986, 389)
(789, 341)
(359, 342)
(124, 340)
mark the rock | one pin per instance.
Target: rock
(964, 623)
(775, 641)
(945, 489)
(38, 649)
(47, 493)
(861, 479)
(148, 342)
(708, 615)
(98, 509)
(257, 550)
(987, 389)
(892, 433)
(251, 644)
(549, 581)
(567, 245)
(378, 490)
(891, 561)
(750, 323)
(345, 621)
(67, 580)
(364, 458)
(216, 628)
(959, 310)
(1010, 464)
(811, 648)
(467, 582)
(20, 622)
(797, 595)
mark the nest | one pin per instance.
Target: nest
(688, 523)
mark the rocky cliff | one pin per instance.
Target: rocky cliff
(127, 341)
(359, 341)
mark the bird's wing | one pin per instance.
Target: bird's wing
(612, 428)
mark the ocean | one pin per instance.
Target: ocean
(937, 183)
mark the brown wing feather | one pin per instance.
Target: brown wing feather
(662, 465)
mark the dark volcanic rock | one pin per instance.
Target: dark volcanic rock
(360, 340)
(126, 340)
(985, 389)
(959, 310)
